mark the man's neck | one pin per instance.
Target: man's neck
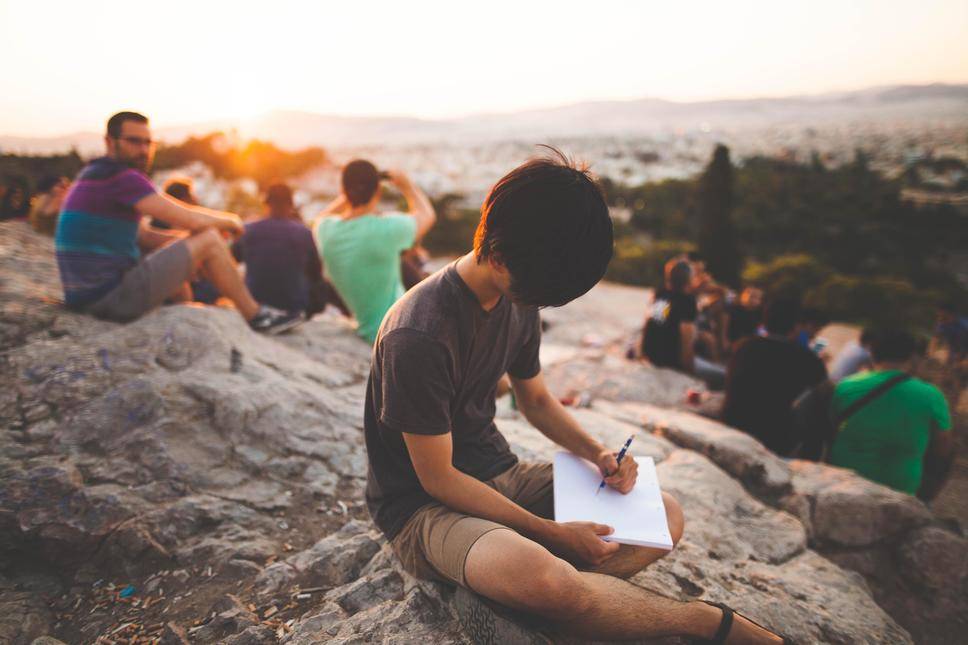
(480, 281)
(359, 211)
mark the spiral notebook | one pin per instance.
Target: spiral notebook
(639, 517)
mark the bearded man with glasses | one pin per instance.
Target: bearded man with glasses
(104, 225)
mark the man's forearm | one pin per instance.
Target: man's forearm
(465, 494)
(549, 416)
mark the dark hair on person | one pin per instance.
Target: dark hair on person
(116, 121)
(893, 345)
(47, 183)
(546, 221)
(867, 335)
(279, 198)
(814, 316)
(360, 180)
(781, 316)
(678, 274)
(180, 188)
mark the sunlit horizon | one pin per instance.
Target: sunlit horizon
(186, 64)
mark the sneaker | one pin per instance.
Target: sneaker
(272, 321)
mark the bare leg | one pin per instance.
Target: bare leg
(520, 573)
(184, 293)
(629, 560)
(210, 253)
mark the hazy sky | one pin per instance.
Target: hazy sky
(68, 66)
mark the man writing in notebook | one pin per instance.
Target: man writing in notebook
(443, 485)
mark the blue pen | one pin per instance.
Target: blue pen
(621, 453)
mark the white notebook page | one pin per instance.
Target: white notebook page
(639, 518)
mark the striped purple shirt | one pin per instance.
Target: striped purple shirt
(97, 232)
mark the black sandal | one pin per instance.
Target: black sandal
(726, 624)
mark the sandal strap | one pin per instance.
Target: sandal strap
(724, 625)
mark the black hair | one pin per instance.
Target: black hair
(678, 274)
(893, 345)
(360, 180)
(814, 316)
(279, 197)
(118, 120)
(547, 222)
(180, 189)
(48, 182)
(867, 336)
(7, 207)
(781, 316)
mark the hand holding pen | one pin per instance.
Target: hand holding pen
(619, 471)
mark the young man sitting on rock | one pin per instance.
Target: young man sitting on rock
(103, 223)
(443, 484)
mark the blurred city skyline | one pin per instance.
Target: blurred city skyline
(70, 66)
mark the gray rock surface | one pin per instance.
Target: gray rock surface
(147, 487)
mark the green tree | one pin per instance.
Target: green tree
(717, 239)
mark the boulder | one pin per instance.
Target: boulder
(736, 452)
(845, 509)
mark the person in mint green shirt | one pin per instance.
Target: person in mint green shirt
(902, 437)
(360, 247)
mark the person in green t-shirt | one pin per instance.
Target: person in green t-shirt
(902, 437)
(361, 248)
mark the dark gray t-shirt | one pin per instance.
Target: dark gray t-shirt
(436, 364)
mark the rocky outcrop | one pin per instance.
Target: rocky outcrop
(916, 567)
(181, 478)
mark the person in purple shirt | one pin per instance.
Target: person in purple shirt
(282, 267)
(102, 229)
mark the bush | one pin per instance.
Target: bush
(453, 234)
(789, 276)
(886, 302)
(642, 264)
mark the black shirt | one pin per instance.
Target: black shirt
(661, 340)
(281, 262)
(436, 363)
(743, 322)
(763, 379)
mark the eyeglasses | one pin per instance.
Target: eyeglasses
(138, 141)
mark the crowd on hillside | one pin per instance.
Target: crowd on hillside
(861, 409)
(441, 477)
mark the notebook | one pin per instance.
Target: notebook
(639, 518)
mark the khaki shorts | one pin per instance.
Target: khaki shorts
(435, 542)
(147, 284)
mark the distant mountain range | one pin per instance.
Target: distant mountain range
(294, 129)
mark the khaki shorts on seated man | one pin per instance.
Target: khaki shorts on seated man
(103, 227)
(443, 485)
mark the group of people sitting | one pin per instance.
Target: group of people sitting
(123, 248)
(443, 485)
(867, 412)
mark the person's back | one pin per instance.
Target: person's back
(764, 377)
(661, 338)
(888, 438)
(277, 252)
(362, 260)
(361, 249)
(97, 232)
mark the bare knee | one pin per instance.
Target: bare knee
(204, 244)
(557, 591)
(677, 521)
